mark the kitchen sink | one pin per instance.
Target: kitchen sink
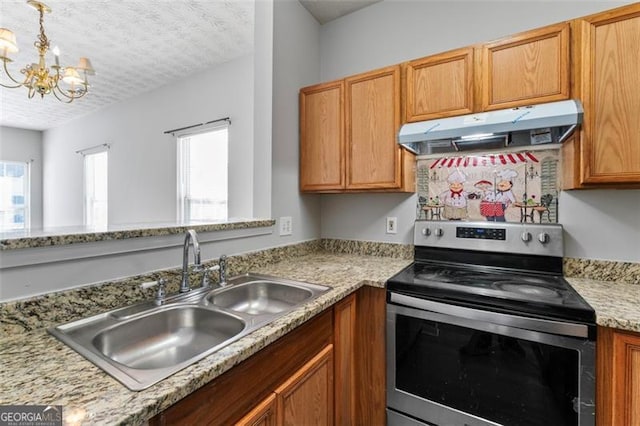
(167, 337)
(260, 297)
(140, 345)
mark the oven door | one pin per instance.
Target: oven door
(450, 365)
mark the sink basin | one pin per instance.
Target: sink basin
(260, 297)
(140, 345)
(167, 337)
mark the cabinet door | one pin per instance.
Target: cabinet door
(618, 378)
(322, 137)
(528, 68)
(264, 414)
(440, 85)
(307, 397)
(374, 159)
(344, 340)
(609, 85)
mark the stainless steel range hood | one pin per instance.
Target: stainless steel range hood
(530, 125)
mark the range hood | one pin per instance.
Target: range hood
(530, 125)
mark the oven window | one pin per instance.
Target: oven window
(496, 377)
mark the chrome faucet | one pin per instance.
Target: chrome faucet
(190, 237)
(223, 270)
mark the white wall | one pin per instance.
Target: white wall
(296, 63)
(26, 146)
(394, 31)
(142, 159)
(287, 57)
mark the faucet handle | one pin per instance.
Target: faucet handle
(205, 274)
(160, 292)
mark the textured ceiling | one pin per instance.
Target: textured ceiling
(134, 45)
(328, 10)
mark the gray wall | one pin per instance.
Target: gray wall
(599, 224)
(26, 146)
(142, 159)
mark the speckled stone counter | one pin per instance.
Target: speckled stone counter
(617, 305)
(38, 369)
(74, 235)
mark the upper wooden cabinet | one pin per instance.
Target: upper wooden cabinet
(607, 80)
(322, 133)
(527, 68)
(354, 148)
(372, 121)
(440, 85)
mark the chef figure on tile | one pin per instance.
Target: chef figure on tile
(455, 199)
(495, 203)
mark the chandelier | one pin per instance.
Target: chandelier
(65, 83)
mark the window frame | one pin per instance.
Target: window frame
(27, 193)
(85, 206)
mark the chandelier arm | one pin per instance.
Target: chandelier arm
(6, 71)
(54, 91)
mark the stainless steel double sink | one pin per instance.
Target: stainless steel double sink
(143, 344)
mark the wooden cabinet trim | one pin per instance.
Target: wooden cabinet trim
(344, 335)
(467, 56)
(395, 183)
(312, 182)
(560, 31)
(264, 414)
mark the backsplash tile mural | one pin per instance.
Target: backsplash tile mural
(510, 186)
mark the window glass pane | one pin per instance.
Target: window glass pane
(14, 195)
(95, 175)
(203, 176)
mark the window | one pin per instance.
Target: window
(14, 196)
(95, 189)
(202, 176)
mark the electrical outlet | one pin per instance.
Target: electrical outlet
(286, 225)
(392, 225)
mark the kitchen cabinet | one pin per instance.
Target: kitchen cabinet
(618, 377)
(232, 397)
(527, 68)
(322, 162)
(606, 152)
(523, 69)
(307, 397)
(264, 414)
(440, 85)
(370, 158)
(344, 338)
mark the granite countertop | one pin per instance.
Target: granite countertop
(78, 234)
(617, 304)
(38, 369)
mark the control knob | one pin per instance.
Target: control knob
(526, 236)
(426, 232)
(438, 232)
(543, 238)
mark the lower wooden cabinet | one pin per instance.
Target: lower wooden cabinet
(330, 370)
(263, 414)
(618, 378)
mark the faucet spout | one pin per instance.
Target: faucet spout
(190, 238)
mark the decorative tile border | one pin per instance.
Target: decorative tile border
(602, 270)
(46, 240)
(368, 248)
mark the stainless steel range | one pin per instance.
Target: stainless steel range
(482, 329)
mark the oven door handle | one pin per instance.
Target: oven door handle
(525, 323)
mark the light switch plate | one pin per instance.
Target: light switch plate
(286, 225)
(392, 225)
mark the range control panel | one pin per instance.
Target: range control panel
(481, 233)
(507, 237)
